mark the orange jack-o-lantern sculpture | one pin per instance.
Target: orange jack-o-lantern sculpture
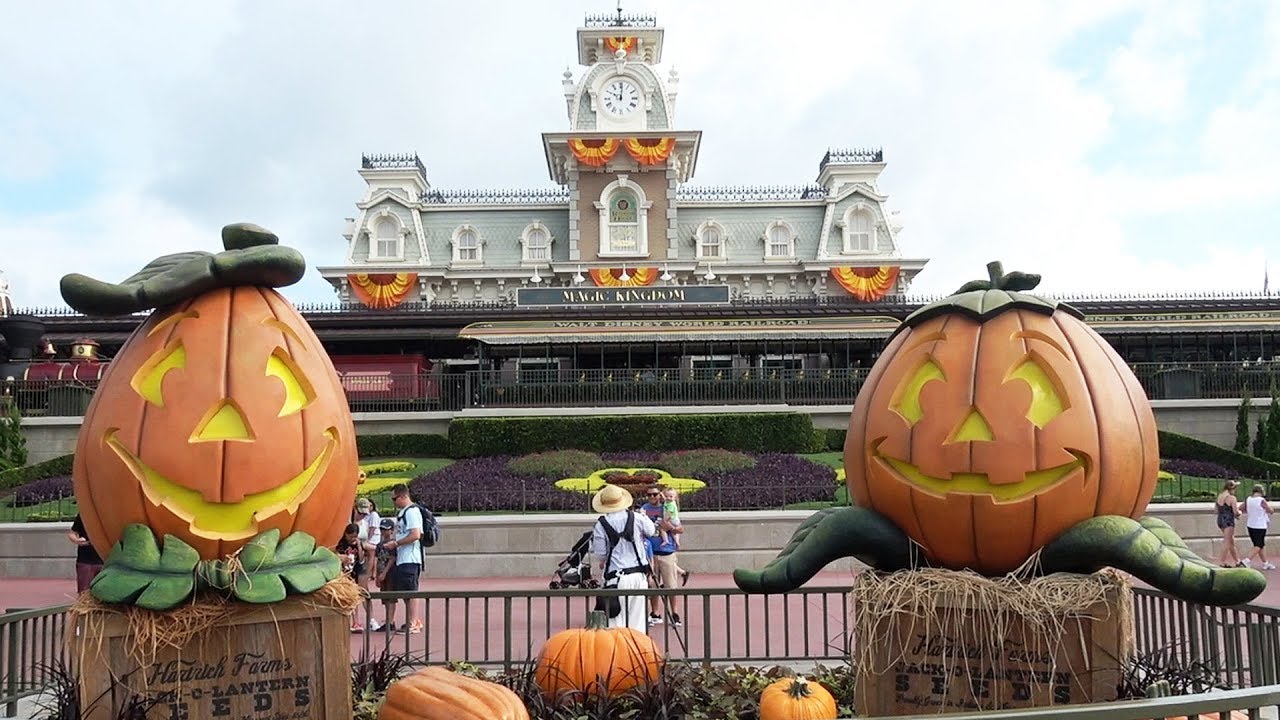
(222, 417)
(995, 421)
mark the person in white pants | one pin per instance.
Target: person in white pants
(622, 556)
(1257, 518)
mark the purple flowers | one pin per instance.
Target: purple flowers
(1198, 468)
(46, 490)
(777, 480)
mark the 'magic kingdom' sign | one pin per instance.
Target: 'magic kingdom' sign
(624, 296)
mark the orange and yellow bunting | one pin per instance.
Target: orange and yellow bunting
(867, 283)
(382, 290)
(620, 43)
(636, 277)
(650, 151)
(594, 152)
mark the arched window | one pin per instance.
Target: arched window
(624, 218)
(466, 245)
(710, 240)
(388, 240)
(859, 229)
(779, 240)
(536, 240)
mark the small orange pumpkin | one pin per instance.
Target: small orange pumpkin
(597, 659)
(221, 418)
(993, 422)
(435, 693)
(796, 699)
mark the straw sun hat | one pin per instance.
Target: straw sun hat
(611, 498)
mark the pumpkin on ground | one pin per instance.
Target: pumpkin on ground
(435, 693)
(597, 659)
(993, 422)
(222, 417)
(796, 699)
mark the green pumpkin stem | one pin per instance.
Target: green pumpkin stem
(597, 620)
(995, 271)
(799, 689)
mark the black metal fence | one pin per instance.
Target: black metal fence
(656, 387)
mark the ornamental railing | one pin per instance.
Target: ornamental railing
(515, 196)
(393, 161)
(373, 391)
(1237, 648)
(851, 156)
(749, 193)
(620, 19)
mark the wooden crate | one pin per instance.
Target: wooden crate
(285, 661)
(949, 668)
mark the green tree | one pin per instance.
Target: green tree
(1273, 428)
(1242, 425)
(1260, 439)
(13, 446)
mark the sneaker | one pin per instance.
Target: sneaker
(1246, 563)
(389, 627)
(654, 619)
(410, 630)
(357, 629)
(1268, 566)
(374, 625)
(675, 620)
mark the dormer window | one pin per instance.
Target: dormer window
(779, 241)
(388, 238)
(624, 220)
(536, 240)
(467, 245)
(859, 229)
(710, 241)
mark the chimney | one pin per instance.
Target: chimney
(23, 333)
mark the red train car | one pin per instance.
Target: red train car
(387, 381)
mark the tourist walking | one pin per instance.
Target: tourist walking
(88, 562)
(619, 544)
(1257, 518)
(365, 515)
(1228, 509)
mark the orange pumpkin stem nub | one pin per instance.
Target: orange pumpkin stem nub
(799, 688)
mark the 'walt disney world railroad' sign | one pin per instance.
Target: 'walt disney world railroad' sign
(623, 296)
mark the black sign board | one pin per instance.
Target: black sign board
(624, 296)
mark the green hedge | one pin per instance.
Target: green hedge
(759, 432)
(835, 439)
(403, 445)
(49, 468)
(1173, 445)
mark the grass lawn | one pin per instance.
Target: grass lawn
(378, 487)
(830, 459)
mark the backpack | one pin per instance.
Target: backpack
(430, 527)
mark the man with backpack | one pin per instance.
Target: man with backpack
(416, 529)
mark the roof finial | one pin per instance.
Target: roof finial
(619, 22)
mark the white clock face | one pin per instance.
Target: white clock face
(621, 97)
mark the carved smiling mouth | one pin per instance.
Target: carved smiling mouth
(1035, 481)
(226, 521)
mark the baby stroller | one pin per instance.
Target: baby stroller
(574, 571)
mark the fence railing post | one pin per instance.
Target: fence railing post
(507, 606)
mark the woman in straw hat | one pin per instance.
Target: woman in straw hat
(620, 548)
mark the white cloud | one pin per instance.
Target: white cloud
(190, 118)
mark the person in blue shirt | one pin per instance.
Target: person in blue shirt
(408, 550)
(662, 547)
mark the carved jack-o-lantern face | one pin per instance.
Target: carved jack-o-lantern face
(219, 419)
(985, 440)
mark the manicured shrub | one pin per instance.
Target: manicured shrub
(1242, 424)
(756, 432)
(384, 468)
(1173, 445)
(403, 445)
(557, 464)
(835, 439)
(49, 468)
(689, 463)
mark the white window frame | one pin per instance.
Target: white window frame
(526, 246)
(700, 244)
(374, 222)
(767, 239)
(456, 239)
(642, 220)
(847, 228)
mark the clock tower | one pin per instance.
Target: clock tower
(622, 160)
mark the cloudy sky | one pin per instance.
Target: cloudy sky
(1125, 145)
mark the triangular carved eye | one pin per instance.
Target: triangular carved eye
(1047, 401)
(224, 421)
(906, 399)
